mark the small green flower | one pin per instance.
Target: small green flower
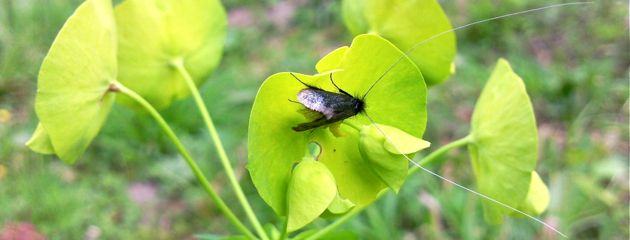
(351, 151)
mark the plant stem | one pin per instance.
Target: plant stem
(229, 171)
(426, 160)
(441, 151)
(8, 5)
(285, 229)
(343, 219)
(191, 162)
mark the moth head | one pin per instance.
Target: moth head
(359, 105)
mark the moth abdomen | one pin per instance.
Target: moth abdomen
(315, 101)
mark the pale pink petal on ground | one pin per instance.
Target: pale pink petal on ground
(142, 193)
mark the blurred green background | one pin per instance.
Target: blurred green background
(131, 183)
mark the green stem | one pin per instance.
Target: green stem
(441, 151)
(182, 150)
(343, 219)
(8, 5)
(426, 160)
(285, 229)
(179, 65)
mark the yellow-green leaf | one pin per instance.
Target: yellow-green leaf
(340, 205)
(384, 157)
(273, 146)
(406, 23)
(332, 60)
(311, 190)
(537, 199)
(73, 97)
(504, 146)
(40, 141)
(400, 142)
(153, 34)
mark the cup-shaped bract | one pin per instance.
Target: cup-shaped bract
(311, 190)
(40, 141)
(73, 86)
(504, 147)
(537, 199)
(382, 147)
(397, 100)
(153, 35)
(407, 24)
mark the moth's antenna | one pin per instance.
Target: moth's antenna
(461, 186)
(465, 26)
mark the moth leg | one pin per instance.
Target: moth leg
(340, 90)
(296, 78)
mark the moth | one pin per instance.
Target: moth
(330, 107)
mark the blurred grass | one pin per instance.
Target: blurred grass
(574, 61)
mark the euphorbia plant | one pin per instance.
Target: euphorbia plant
(269, 154)
(161, 50)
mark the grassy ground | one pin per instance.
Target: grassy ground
(132, 184)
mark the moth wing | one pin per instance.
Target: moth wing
(311, 125)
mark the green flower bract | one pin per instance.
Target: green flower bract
(398, 100)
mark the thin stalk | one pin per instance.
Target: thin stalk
(426, 160)
(117, 87)
(229, 171)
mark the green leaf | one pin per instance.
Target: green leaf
(383, 158)
(311, 190)
(73, 95)
(406, 23)
(537, 199)
(353, 14)
(340, 205)
(400, 142)
(398, 100)
(40, 141)
(153, 34)
(332, 60)
(504, 146)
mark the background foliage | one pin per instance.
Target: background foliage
(131, 183)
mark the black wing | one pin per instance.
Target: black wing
(332, 106)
